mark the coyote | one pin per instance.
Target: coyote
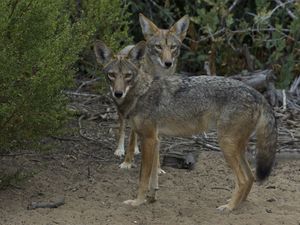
(160, 59)
(184, 106)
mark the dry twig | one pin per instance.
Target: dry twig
(86, 83)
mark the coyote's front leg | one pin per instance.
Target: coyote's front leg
(130, 151)
(133, 149)
(149, 141)
(154, 175)
(120, 149)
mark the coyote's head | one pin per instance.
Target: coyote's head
(122, 69)
(163, 45)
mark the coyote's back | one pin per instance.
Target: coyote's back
(186, 106)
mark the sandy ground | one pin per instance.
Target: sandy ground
(94, 189)
(86, 174)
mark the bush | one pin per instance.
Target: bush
(40, 41)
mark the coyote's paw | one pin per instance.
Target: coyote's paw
(161, 171)
(119, 152)
(135, 202)
(151, 199)
(225, 208)
(125, 165)
(152, 195)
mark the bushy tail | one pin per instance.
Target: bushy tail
(266, 134)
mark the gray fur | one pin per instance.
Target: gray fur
(183, 106)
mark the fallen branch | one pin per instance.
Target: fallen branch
(56, 204)
(86, 83)
(211, 147)
(264, 82)
(284, 100)
(249, 58)
(81, 94)
(220, 188)
(177, 144)
(81, 129)
(96, 157)
(260, 80)
(295, 85)
(65, 138)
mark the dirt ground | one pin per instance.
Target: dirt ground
(86, 174)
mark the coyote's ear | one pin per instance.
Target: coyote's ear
(137, 52)
(148, 27)
(102, 52)
(180, 27)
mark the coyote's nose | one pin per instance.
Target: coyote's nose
(118, 94)
(168, 64)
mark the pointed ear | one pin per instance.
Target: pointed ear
(102, 52)
(137, 52)
(180, 27)
(148, 27)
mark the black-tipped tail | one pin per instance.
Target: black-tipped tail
(266, 133)
(263, 168)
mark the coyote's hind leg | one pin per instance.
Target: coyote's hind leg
(233, 150)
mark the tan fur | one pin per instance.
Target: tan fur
(182, 106)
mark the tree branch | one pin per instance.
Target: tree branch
(291, 14)
(233, 5)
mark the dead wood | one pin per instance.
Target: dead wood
(81, 94)
(85, 83)
(264, 82)
(34, 205)
(260, 80)
(249, 58)
(295, 87)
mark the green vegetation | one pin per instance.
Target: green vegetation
(41, 46)
(44, 45)
(224, 32)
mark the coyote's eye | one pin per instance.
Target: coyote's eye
(111, 76)
(158, 47)
(128, 76)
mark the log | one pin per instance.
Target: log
(295, 87)
(35, 205)
(264, 82)
(261, 80)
